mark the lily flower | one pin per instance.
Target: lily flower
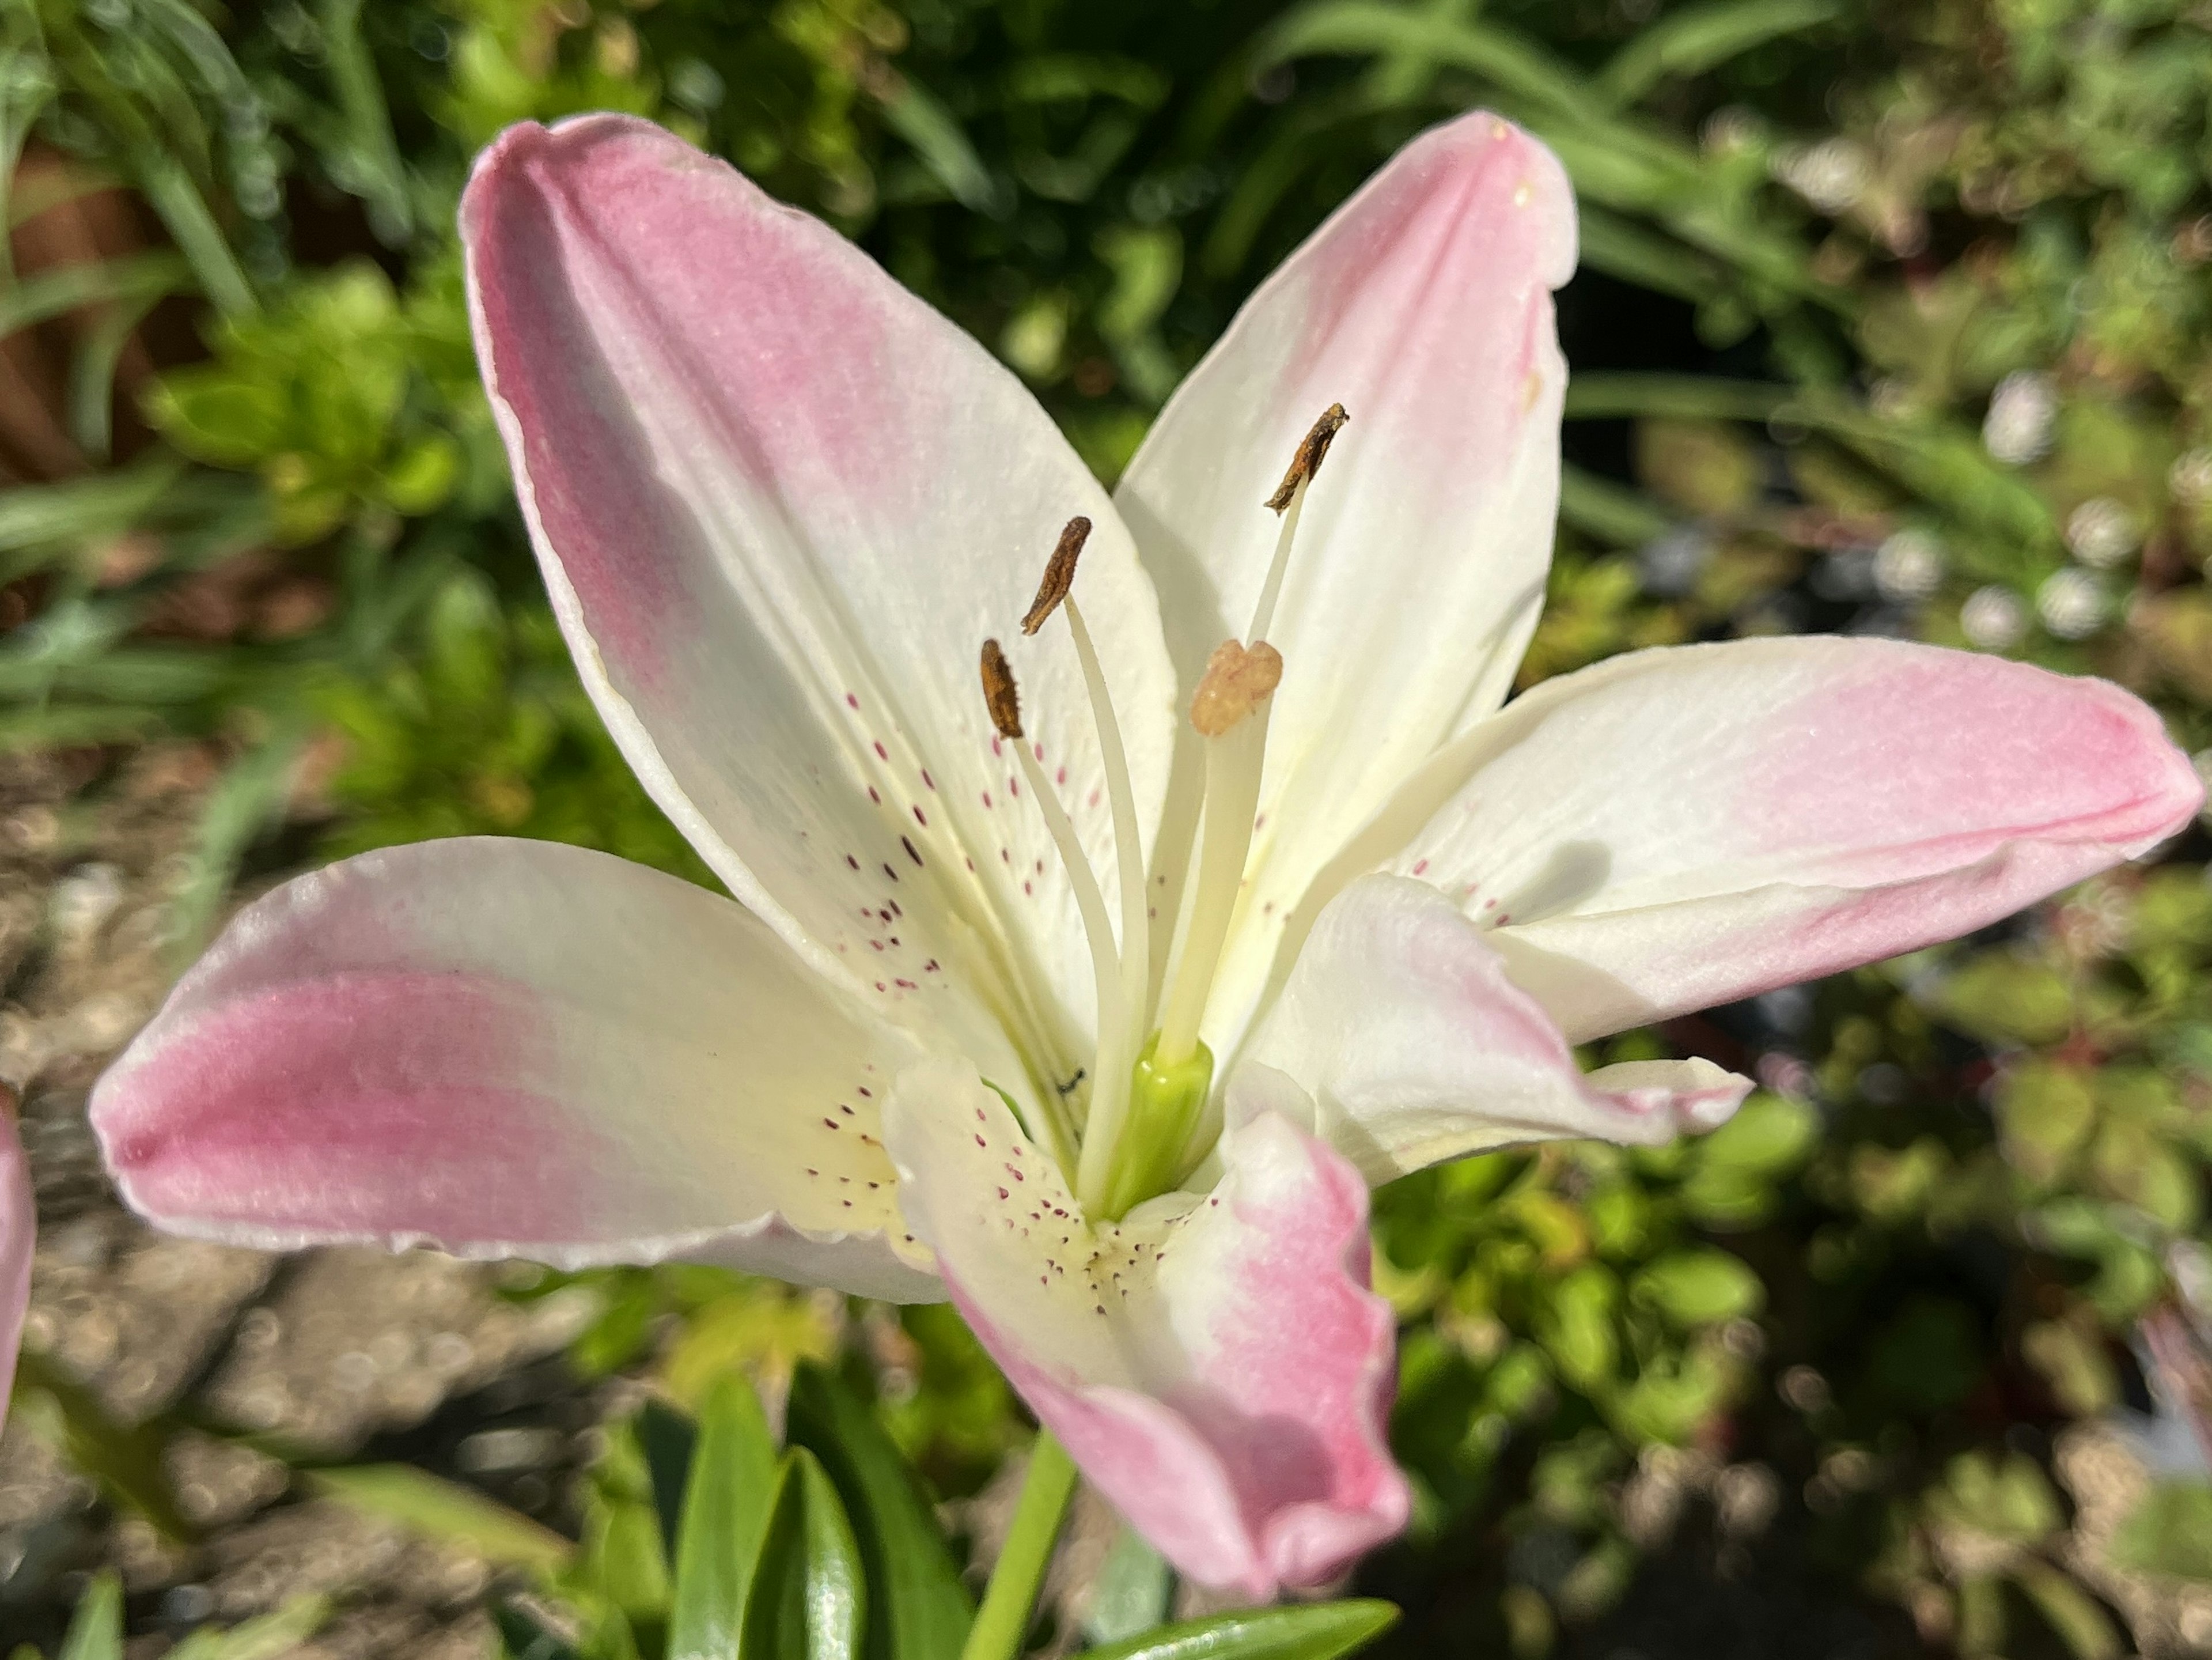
(1094, 990)
(18, 1228)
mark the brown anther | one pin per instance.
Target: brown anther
(1238, 679)
(1311, 450)
(999, 696)
(1059, 573)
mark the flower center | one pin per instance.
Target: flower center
(1151, 1117)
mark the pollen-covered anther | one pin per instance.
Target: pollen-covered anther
(1059, 573)
(1238, 679)
(1312, 449)
(1001, 695)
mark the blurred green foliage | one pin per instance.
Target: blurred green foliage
(1894, 319)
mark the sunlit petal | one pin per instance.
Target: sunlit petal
(18, 1224)
(1216, 1364)
(1423, 305)
(1400, 1040)
(1678, 828)
(516, 1049)
(780, 502)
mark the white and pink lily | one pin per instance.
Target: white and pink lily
(1104, 1029)
(18, 1233)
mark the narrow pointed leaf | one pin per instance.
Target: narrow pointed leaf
(440, 1509)
(1319, 1630)
(96, 1631)
(922, 1609)
(521, 1637)
(669, 1441)
(728, 1502)
(810, 1598)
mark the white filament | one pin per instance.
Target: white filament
(1128, 849)
(1110, 1082)
(1263, 614)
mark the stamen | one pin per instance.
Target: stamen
(1290, 501)
(1001, 695)
(1109, 1083)
(1059, 573)
(1238, 679)
(1055, 590)
(1313, 448)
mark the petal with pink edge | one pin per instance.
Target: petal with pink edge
(1423, 305)
(19, 1224)
(1400, 1041)
(519, 1049)
(1678, 828)
(1216, 1364)
(780, 503)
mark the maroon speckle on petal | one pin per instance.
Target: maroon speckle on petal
(875, 795)
(889, 872)
(854, 862)
(920, 818)
(910, 852)
(882, 754)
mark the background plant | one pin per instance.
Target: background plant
(1893, 319)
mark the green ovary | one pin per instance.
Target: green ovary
(1166, 1107)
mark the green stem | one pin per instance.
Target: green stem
(1004, 1619)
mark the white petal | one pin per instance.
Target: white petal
(781, 503)
(1409, 1045)
(1425, 307)
(516, 1049)
(1678, 828)
(1216, 1365)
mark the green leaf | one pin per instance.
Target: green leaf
(2169, 1533)
(923, 1610)
(275, 1633)
(729, 1501)
(1577, 1329)
(669, 1441)
(945, 149)
(1700, 1287)
(1320, 1631)
(96, 1631)
(1690, 42)
(444, 1510)
(521, 1637)
(810, 1597)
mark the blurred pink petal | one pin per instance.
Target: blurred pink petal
(1678, 828)
(1423, 305)
(1405, 1045)
(19, 1223)
(1216, 1364)
(515, 1048)
(780, 501)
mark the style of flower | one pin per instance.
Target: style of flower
(1096, 995)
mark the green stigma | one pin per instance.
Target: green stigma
(1157, 1150)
